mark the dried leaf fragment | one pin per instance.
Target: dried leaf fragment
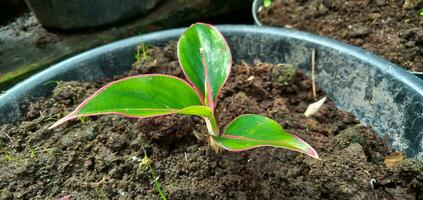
(394, 160)
(314, 107)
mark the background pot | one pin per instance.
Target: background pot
(83, 14)
(10, 9)
(257, 5)
(381, 94)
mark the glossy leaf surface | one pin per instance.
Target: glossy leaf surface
(251, 131)
(142, 96)
(203, 52)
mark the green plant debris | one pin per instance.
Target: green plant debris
(144, 51)
(84, 120)
(52, 153)
(146, 164)
(8, 157)
(33, 153)
(267, 3)
(141, 54)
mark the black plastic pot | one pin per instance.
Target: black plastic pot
(381, 94)
(10, 10)
(257, 6)
(83, 14)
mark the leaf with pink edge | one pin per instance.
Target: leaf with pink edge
(205, 58)
(142, 96)
(251, 131)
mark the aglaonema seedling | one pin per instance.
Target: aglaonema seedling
(206, 61)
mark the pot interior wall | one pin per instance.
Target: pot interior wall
(381, 94)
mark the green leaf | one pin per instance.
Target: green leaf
(203, 52)
(267, 3)
(251, 131)
(142, 96)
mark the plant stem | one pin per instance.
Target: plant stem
(213, 129)
(212, 126)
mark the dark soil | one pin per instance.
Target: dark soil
(99, 157)
(391, 28)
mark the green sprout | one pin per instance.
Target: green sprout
(33, 153)
(147, 165)
(8, 157)
(141, 53)
(267, 3)
(206, 61)
(83, 119)
(421, 12)
(144, 51)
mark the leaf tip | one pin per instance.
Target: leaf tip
(313, 153)
(310, 151)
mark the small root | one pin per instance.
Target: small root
(95, 185)
(8, 136)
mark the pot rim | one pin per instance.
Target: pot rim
(255, 9)
(377, 61)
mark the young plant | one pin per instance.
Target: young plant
(206, 61)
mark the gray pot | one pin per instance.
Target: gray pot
(84, 14)
(379, 93)
(257, 5)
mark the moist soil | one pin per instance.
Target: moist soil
(390, 28)
(102, 157)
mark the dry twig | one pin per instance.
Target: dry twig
(313, 72)
(10, 138)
